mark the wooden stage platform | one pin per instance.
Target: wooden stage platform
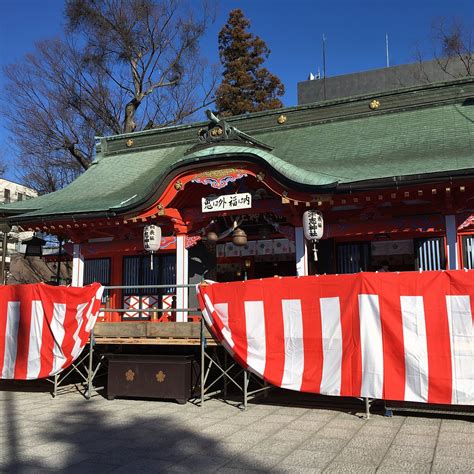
(151, 333)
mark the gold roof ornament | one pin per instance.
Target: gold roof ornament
(216, 131)
(374, 104)
(281, 119)
(129, 142)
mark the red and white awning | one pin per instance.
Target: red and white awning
(43, 329)
(395, 336)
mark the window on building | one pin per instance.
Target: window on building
(430, 254)
(353, 257)
(137, 272)
(396, 255)
(20, 196)
(468, 251)
(97, 270)
(6, 196)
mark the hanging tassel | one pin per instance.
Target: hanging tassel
(315, 252)
(151, 261)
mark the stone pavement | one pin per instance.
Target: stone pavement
(71, 434)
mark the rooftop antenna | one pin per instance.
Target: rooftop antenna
(386, 49)
(324, 66)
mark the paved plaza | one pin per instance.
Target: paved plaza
(70, 434)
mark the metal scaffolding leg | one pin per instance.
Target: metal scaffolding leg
(246, 384)
(203, 348)
(55, 389)
(367, 408)
(220, 368)
(225, 378)
(90, 374)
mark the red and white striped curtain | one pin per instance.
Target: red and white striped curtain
(394, 336)
(43, 329)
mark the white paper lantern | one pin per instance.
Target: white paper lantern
(152, 238)
(313, 225)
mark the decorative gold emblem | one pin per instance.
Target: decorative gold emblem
(161, 210)
(178, 185)
(219, 173)
(129, 142)
(260, 176)
(160, 376)
(281, 119)
(374, 104)
(216, 132)
(129, 375)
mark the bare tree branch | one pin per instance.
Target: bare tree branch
(123, 65)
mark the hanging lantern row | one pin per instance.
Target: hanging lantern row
(313, 227)
(152, 240)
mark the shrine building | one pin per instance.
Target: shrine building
(391, 173)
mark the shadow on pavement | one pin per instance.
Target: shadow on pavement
(92, 437)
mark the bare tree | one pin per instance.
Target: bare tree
(454, 43)
(124, 65)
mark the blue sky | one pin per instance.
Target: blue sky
(355, 32)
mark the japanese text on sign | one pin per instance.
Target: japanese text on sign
(228, 202)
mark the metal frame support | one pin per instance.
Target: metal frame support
(367, 408)
(203, 348)
(90, 365)
(80, 367)
(228, 373)
(3, 266)
(246, 386)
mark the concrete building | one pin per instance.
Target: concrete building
(12, 192)
(378, 80)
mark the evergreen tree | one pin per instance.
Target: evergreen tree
(246, 86)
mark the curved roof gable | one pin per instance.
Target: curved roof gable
(413, 133)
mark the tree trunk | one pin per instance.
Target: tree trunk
(79, 157)
(129, 124)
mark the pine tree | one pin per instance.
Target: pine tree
(246, 86)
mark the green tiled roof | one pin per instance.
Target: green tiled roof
(415, 132)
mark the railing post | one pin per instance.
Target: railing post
(203, 348)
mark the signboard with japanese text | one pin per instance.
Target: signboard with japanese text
(227, 202)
